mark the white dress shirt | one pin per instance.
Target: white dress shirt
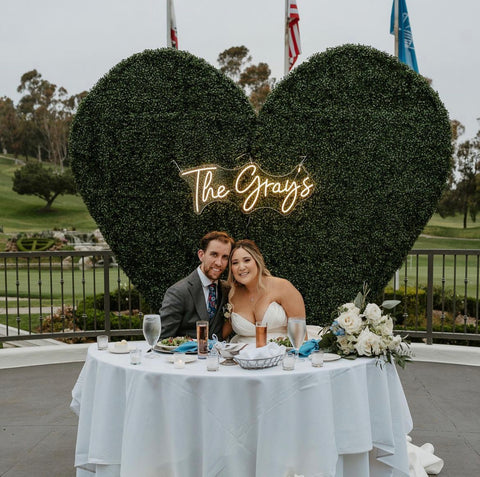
(206, 282)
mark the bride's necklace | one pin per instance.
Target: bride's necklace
(253, 298)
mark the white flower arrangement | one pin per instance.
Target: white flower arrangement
(364, 330)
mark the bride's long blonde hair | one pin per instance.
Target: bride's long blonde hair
(252, 248)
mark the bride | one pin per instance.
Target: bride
(256, 296)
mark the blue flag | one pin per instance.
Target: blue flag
(406, 49)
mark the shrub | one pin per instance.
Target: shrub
(416, 305)
(86, 320)
(120, 299)
(375, 136)
(413, 304)
(95, 320)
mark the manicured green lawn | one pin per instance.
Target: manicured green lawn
(448, 267)
(20, 213)
(453, 222)
(34, 289)
(36, 285)
(452, 227)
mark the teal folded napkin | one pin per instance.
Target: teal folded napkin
(191, 347)
(307, 348)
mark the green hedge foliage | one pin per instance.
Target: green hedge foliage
(375, 136)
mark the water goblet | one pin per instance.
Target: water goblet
(297, 329)
(151, 331)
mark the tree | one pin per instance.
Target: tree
(48, 112)
(468, 159)
(463, 193)
(45, 183)
(233, 60)
(9, 126)
(253, 79)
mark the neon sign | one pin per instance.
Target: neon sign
(248, 187)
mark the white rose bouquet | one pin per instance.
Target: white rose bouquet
(362, 329)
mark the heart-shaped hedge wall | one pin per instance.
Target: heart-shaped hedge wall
(375, 136)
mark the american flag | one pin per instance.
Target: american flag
(294, 47)
(173, 26)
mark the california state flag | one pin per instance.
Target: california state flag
(172, 25)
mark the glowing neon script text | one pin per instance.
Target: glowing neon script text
(249, 187)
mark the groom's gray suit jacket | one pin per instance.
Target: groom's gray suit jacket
(184, 304)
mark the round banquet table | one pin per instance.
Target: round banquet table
(347, 419)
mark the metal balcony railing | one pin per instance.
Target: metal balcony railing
(74, 295)
(439, 290)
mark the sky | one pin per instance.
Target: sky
(73, 43)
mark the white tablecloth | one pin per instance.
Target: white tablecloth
(347, 419)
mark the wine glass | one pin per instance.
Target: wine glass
(297, 329)
(152, 327)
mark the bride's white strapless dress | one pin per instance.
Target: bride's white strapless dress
(276, 320)
(274, 316)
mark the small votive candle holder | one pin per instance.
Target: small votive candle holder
(102, 342)
(288, 363)
(317, 358)
(212, 362)
(179, 360)
(136, 356)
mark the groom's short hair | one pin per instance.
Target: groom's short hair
(215, 235)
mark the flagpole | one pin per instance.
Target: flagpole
(169, 24)
(396, 28)
(286, 62)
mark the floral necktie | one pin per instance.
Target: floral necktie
(212, 300)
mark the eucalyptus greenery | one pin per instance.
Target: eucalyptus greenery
(373, 135)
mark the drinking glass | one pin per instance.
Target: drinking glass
(260, 334)
(288, 363)
(136, 356)
(317, 358)
(151, 330)
(297, 329)
(212, 360)
(102, 342)
(202, 339)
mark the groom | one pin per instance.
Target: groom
(201, 295)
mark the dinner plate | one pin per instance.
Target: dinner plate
(188, 358)
(169, 349)
(328, 357)
(159, 346)
(331, 357)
